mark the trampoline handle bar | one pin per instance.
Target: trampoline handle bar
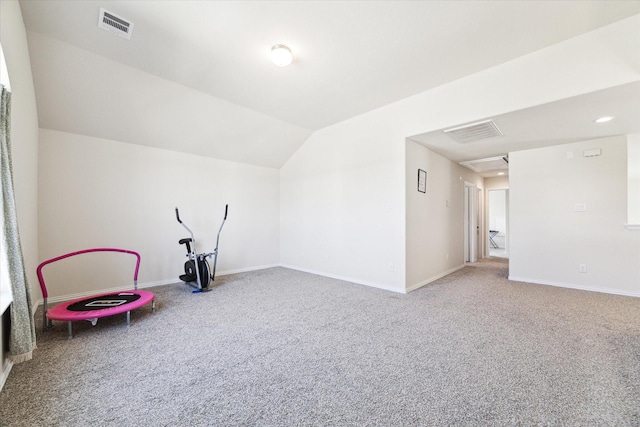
(226, 209)
(43, 287)
(178, 216)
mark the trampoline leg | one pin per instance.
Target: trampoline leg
(128, 318)
(45, 325)
(153, 306)
(69, 330)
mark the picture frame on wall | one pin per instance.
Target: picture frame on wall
(422, 181)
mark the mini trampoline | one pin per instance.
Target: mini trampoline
(96, 306)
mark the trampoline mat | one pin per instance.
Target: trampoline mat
(103, 301)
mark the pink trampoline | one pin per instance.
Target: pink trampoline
(96, 306)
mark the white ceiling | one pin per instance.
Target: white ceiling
(200, 69)
(560, 122)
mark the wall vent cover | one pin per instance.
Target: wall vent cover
(474, 131)
(115, 24)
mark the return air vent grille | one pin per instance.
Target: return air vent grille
(115, 24)
(487, 165)
(474, 131)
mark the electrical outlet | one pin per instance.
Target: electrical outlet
(582, 268)
(392, 268)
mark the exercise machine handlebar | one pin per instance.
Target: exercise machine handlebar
(193, 239)
(226, 210)
(215, 259)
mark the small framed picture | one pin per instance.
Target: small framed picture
(422, 181)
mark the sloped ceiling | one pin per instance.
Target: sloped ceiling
(196, 77)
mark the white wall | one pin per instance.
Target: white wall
(342, 211)
(549, 239)
(24, 136)
(497, 183)
(435, 219)
(343, 207)
(96, 193)
(343, 192)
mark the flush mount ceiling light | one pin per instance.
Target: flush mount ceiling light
(281, 55)
(603, 119)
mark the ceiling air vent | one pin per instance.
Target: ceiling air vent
(115, 24)
(474, 131)
(487, 165)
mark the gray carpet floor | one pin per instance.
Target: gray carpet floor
(279, 347)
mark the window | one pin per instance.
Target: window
(6, 296)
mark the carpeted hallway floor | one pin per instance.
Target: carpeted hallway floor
(279, 347)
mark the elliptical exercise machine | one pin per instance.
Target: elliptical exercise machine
(201, 276)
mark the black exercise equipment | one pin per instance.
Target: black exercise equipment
(201, 276)
(492, 234)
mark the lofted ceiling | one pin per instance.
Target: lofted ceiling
(196, 75)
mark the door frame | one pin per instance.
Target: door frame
(471, 222)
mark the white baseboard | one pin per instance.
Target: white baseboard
(574, 286)
(5, 374)
(346, 279)
(54, 300)
(62, 298)
(244, 270)
(434, 278)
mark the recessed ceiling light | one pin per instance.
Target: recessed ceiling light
(603, 119)
(500, 173)
(281, 55)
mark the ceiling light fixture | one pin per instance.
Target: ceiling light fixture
(281, 55)
(603, 119)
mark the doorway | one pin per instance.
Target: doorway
(498, 215)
